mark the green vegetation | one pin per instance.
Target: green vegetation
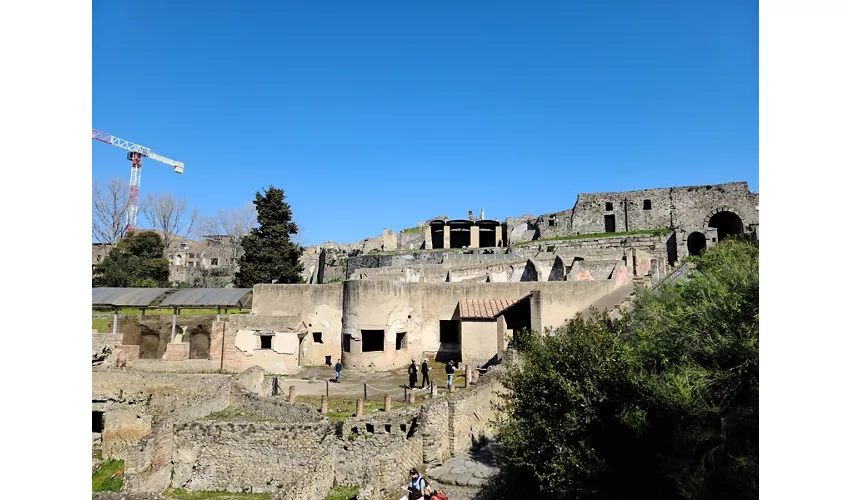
(650, 232)
(342, 493)
(662, 404)
(108, 477)
(411, 230)
(235, 413)
(342, 408)
(136, 261)
(101, 325)
(179, 494)
(335, 280)
(270, 255)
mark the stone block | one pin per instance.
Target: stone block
(131, 351)
(176, 352)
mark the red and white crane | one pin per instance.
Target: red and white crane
(135, 154)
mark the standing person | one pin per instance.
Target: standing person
(450, 372)
(412, 372)
(338, 369)
(426, 380)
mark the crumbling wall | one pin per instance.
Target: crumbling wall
(253, 457)
(273, 408)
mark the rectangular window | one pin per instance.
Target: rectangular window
(551, 222)
(346, 342)
(373, 340)
(317, 338)
(449, 331)
(400, 341)
(647, 204)
(214, 261)
(265, 341)
(609, 206)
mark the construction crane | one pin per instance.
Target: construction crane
(135, 154)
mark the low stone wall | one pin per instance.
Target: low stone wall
(147, 466)
(275, 408)
(253, 457)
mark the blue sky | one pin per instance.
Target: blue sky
(383, 114)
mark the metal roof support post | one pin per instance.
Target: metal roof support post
(218, 314)
(115, 322)
(174, 325)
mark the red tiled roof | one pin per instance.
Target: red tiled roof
(483, 309)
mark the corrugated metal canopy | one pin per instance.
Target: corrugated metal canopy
(209, 297)
(126, 297)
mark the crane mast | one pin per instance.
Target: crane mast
(135, 152)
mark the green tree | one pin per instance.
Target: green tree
(663, 404)
(136, 261)
(270, 256)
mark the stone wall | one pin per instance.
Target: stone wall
(273, 408)
(254, 457)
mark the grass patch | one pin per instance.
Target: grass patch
(411, 230)
(342, 408)
(101, 325)
(236, 413)
(342, 493)
(108, 477)
(651, 232)
(180, 494)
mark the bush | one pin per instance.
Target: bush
(663, 404)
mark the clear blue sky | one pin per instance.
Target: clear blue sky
(383, 114)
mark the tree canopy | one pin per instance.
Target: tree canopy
(662, 404)
(136, 261)
(270, 255)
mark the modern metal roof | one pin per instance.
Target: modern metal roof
(126, 297)
(209, 297)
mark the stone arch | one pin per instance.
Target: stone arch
(696, 243)
(530, 273)
(558, 272)
(727, 222)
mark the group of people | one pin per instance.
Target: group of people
(413, 373)
(420, 489)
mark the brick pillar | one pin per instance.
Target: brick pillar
(324, 409)
(358, 410)
(388, 402)
(291, 393)
(217, 343)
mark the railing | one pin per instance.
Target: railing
(678, 274)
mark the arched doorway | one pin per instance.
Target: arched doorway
(696, 243)
(727, 224)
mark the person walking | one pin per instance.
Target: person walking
(412, 372)
(450, 372)
(426, 380)
(338, 369)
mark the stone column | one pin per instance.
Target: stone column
(291, 393)
(412, 397)
(433, 390)
(499, 235)
(358, 411)
(446, 236)
(467, 372)
(324, 409)
(474, 237)
(388, 402)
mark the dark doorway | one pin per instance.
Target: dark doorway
(727, 224)
(486, 234)
(346, 342)
(449, 331)
(610, 226)
(328, 360)
(696, 243)
(400, 341)
(149, 346)
(437, 235)
(460, 235)
(558, 272)
(373, 340)
(97, 421)
(199, 343)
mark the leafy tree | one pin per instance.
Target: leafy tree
(270, 256)
(136, 261)
(663, 404)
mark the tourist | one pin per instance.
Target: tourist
(417, 482)
(450, 372)
(412, 372)
(425, 379)
(338, 370)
